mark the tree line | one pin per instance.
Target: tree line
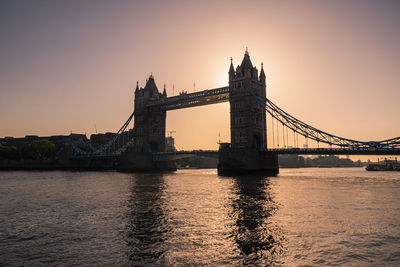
(35, 150)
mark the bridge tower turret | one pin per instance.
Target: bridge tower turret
(149, 127)
(248, 121)
(231, 71)
(262, 74)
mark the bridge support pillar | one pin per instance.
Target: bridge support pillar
(245, 160)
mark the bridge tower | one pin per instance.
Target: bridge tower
(248, 124)
(148, 132)
(248, 121)
(149, 127)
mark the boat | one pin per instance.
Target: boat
(385, 165)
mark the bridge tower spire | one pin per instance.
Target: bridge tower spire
(231, 71)
(262, 74)
(137, 86)
(164, 92)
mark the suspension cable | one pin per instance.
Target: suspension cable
(287, 137)
(318, 135)
(294, 139)
(277, 131)
(273, 134)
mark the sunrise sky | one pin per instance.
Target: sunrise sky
(70, 65)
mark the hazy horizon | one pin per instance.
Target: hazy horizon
(73, 65)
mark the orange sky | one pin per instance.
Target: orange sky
(68, 66)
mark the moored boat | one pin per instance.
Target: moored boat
(385, 165)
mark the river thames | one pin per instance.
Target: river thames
(333, 216)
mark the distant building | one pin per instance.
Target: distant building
(56, 139)
(98, 140)
(170, 144)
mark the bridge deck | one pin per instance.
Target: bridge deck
(334, 151)
(284, 151)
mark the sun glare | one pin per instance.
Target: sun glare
(223, 79)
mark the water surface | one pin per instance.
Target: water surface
(335, 216)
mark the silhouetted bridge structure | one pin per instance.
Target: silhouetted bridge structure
(249, 108)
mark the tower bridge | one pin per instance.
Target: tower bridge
(144, 146)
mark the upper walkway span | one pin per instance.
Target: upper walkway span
(186, 100)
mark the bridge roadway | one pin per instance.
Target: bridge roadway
(284, 151)
(184, 154)
(159, 156)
